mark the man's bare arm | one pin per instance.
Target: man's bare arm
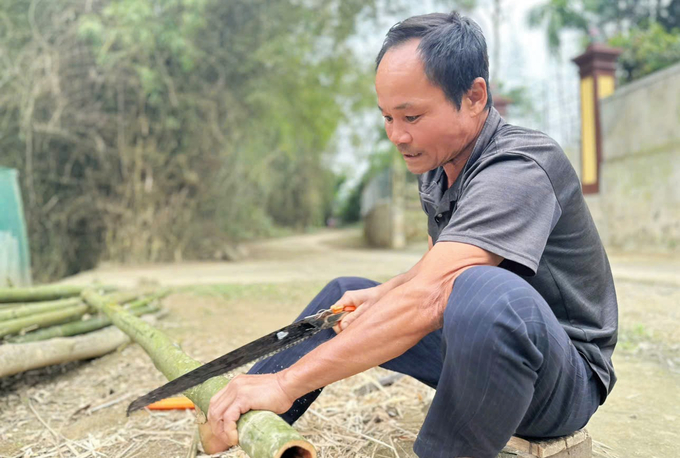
(395, 323)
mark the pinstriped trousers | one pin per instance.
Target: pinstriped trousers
(502, 365)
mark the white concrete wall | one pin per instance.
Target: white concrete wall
(639, 200)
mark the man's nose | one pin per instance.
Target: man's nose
(399, 135)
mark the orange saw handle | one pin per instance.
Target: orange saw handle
(343, 308)
(178, 403)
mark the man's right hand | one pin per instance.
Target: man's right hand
(362, 299)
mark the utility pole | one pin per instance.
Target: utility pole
(496, 20)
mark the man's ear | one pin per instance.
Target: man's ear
(477, 96)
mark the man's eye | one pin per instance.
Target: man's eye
(387, 118)
(412, 118)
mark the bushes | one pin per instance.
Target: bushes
(646, 51)
(153, 131)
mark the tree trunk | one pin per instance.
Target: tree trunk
(261, 434)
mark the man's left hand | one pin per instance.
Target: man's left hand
(244, 393)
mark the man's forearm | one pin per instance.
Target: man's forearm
(389, 328)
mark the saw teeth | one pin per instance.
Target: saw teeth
(269, 355)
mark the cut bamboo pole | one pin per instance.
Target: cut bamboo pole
(77, 327)
(42, 320)
(19, 311)
(15, 358)
(80, 326)
(39, 293)
(262, 434)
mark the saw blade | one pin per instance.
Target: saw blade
(268, 345)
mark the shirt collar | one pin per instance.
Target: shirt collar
(493, 121)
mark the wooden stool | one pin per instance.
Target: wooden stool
(577, 445)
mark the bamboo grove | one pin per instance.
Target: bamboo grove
(154, 131)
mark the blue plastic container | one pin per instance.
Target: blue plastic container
(15, 264)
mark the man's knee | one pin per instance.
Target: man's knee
(339, 286)
(352, 283)
(482, 296)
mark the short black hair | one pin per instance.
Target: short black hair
(452, 47)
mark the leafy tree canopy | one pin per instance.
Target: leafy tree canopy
(149, 130)
(647, 31)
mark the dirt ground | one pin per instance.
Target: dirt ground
(78, 409)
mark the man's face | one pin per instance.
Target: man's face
(424, 125)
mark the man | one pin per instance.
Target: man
(511, 315)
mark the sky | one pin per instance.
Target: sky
(524, 61)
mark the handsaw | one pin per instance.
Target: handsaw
(268, 345)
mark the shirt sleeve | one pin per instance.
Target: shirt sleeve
(509, 208)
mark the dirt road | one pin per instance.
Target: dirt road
(320, 256)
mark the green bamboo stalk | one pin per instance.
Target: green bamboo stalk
(11, 313)
(41, 293)
(77, 327)
(41, 320)
(262, 434)
(18, 310)
(16, 358)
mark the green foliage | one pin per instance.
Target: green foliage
(381, 160)
(669, 17)
(648, 32)
(557, 15)
(350, 210)
(522, 103)
(646, 51)
(153, 131)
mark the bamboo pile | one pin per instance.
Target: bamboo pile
(52, 324)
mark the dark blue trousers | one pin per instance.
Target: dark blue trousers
(502, 365)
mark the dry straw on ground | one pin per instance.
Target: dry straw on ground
(83, 415)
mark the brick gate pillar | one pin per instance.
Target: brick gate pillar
(597, 67)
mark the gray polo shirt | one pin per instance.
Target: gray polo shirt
(519, 197)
